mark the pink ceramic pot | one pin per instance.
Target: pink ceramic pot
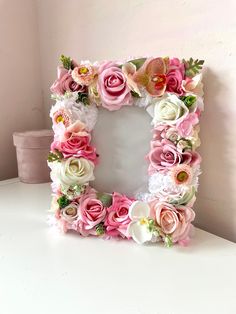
(32, 148)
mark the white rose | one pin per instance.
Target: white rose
(167, 110)
(72, 171)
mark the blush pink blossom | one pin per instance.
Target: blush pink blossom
(117, 219)
(112, 87)
(65, 83)
(163, 156)
(173, 220)
(76, 146)
(185, 127)
(175, 76)
(91, 212)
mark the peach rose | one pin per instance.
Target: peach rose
(173, 220)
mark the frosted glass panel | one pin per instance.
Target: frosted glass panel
(122, 139)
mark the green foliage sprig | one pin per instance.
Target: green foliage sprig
(63, 201)
(66, 62)
(55, 156)
(192, 67)
(138, 62)
(100, 229)
(188, 100)
(83, 97)
(105, 198)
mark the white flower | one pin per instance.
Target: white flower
(77, 111)
(139, 212)
(169, 109)
(71, 171)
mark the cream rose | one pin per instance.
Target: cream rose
(72, 171)
(169, 109)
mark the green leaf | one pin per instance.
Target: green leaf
(168, 241)
(192, 67)
(55, 156)
(66, 62)
(188, 100)
(63, 201)
(105, 198)
(83, 97)
(138, 62)
(134, 94)
(100, 229)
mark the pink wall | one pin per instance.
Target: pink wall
(20, 86)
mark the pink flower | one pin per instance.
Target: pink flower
(174, 221)
(91, 212)
(118, 219)
(112, 87)
(65, 83)
(152, 76)
(185, 127)
(77, 146)
(175, 76)
(164, 155)
(84, 74)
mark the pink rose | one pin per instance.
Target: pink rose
(65, 83)
(185, 127)
(77, 146)
(175, 76)
(112, 87)
(174, 221)
(163, 155)
(91, 212)
(118, 219)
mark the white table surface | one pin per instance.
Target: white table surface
(42, 272)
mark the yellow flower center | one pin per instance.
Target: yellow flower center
(182, 176)
(60, 118)
(143, 221)
(83, 70)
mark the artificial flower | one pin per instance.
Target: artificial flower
(112, 87)
(70, 212)
(181, 174)
(152, 76)
(175, 76)
(163, 156)
(84, 74)
(77, 146)
(118, 218)
(129, 70)
(62, 116)
(93, 93)
(91, 212)
(174, 221)
(169, 109)
(138, 229)
(194, 85)
(72, 171)
(65, 83)
(185, 126)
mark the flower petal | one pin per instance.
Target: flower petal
(156, 66)
(139, 210)
(139, 232)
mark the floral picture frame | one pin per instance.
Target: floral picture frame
(170, 90)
